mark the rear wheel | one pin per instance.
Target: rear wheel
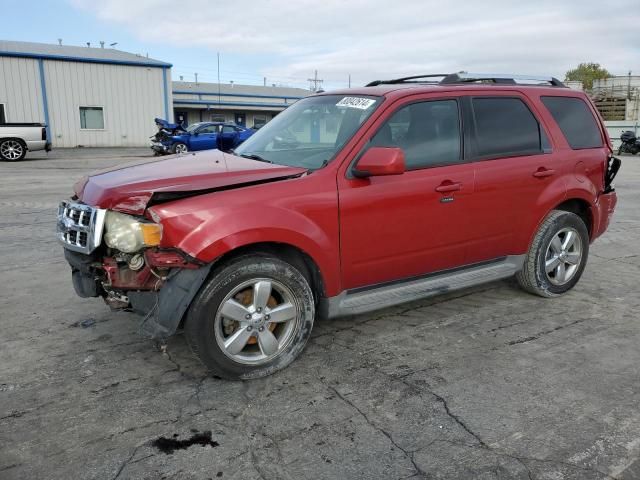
(12, 150)
(557, 256)
(252, 318)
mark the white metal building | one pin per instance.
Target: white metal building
(246, 105)
(93, 97)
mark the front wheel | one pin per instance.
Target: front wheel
(252, 318)
(12, 150)
(557, 256)
(179, 148)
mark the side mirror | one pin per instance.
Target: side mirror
(379, 161)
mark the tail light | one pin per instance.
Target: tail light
(613, 165)
(44, 133)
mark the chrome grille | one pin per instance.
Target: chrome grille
(80, 226)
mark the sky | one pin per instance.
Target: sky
(286, 41)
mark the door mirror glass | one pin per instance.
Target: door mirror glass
(377, 161)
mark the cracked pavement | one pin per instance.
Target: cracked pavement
(487, 383)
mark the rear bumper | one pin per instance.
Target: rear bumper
(37, 145)
(605, 206)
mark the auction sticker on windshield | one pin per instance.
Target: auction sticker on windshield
(356, 102)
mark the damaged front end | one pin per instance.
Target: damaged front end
(155, 282)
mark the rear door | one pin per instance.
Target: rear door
(514, 168)
(400, 226)
(228, 137)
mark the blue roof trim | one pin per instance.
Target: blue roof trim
(45, 101)
(248, 95)
(67, 58)
(177, 101)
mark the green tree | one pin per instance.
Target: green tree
(587, 73)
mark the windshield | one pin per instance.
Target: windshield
(310, 132)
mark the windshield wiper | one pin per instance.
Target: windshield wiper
(253, 156)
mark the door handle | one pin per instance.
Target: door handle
(543, 172)
(446, 187)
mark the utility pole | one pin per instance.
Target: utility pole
(349, 80)
(315, 81)
(264, 82)
(196, 74)
(218, 79)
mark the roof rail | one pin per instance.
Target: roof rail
(465, 77)
(407, 79)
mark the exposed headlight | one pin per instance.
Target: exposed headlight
(127, 234)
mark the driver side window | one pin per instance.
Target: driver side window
(427, 132)
(209, 129)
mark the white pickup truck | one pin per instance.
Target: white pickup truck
(16, 139)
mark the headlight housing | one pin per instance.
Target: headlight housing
(128, 234)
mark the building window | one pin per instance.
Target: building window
(3, 117)
(259, 121)
(218, 117)
(91, 118)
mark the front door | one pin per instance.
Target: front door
(205, 138)
(396, 227)
(181, 118)
(240, 119)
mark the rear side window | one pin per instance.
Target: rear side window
(427, 132)
(505, 127)
(575, 120)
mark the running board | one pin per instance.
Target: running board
(375, 298)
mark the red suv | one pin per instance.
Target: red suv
(347, 202)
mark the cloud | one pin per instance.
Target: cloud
(381, 39)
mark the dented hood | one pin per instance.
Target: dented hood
(129, 188)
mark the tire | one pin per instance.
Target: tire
(179, 148)
(218, 315)
(546, 253)
(12, 150)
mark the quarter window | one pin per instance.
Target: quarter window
(3, 116)
(91, 118)
(575, 120)
(427, 132)
(505, 127)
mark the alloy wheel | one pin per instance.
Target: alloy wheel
(11, 149)
(256, 321)
(563, 256)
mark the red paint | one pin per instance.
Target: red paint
(128, 188)
(361, 231)
(123, 278)
(380, 161)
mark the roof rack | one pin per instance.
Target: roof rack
(465, 77)
(411, 79)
